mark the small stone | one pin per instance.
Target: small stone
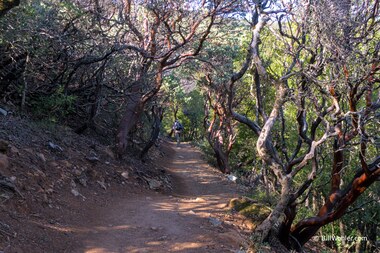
(3, 112)
(125, 174)
(102, 184)
(232, 178)
(163, 238)
(41, 157)
(214, 221)
(75, 192)
(154, 184)
(93, 159)
(55, 146)
(83, 181)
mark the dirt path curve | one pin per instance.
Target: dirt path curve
(186, 221)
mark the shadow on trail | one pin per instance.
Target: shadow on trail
(193, 177)
(154, 222)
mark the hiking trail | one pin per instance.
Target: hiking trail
(189, 219)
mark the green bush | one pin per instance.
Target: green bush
(54, 107)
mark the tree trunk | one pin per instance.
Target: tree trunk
(221, 158)
(131, 116)
(215, 139)
(267, 153)
(134, 109)
(336, 204)
(157, 113)
(271, 225)
(220, 130)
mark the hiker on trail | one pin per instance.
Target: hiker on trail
(177, 128)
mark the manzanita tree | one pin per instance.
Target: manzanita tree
(323, 69)
(311, 67)
(163, 34)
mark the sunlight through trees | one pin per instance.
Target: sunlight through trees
(283, 94)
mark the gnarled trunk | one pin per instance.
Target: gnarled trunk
(304, 230)
(134, 110)
(267, 153)
(131, 116)
(157, 113)
(221, 157)
(271, 225)
(216, 141)
(220, 131)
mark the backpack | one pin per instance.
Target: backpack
(178, 126)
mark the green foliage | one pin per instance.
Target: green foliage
(193, 114)
(55, 107)
(264, 196)
(257, 212)
(208, 153)
(186, 106)
(62, 37)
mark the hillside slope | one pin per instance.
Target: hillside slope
(61, 192)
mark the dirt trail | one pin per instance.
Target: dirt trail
(188, 220)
